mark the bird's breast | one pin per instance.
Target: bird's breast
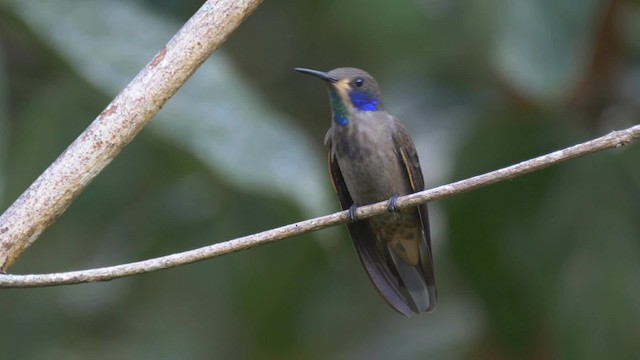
(370, 164)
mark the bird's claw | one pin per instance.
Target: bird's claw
(393, 206)
(353, 216)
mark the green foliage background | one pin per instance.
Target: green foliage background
(546, 266)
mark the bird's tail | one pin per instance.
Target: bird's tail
(408, 288)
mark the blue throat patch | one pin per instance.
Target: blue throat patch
(339, 111)
(363, 101)
(360, 100)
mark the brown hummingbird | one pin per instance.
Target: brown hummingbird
(372, 158)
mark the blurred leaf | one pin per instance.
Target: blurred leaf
(587, 239)
(217, 115)
(445, 334)
(552, 254)
(485, 222)
(542, 46)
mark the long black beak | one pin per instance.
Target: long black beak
(319, 74)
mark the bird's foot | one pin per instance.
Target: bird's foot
(353, 216)
(393, 207)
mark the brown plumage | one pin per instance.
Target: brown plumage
(372, 158)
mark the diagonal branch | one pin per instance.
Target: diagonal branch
(50, 195)
(612, 140)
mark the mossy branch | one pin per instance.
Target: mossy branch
(52, 193)
(614, 139)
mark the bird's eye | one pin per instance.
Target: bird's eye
(359, 82)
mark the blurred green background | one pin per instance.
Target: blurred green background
(543, 267)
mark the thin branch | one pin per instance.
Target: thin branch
(612, 140)
(50, 195)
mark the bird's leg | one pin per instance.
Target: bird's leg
(393, 208)
(352, 212)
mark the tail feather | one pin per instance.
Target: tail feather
(415, 289)
(409, 289)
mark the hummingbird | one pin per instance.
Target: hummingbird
(373, 158)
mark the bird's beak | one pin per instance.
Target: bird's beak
(319, 74)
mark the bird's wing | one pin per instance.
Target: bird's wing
(409, 157)
(374, 257)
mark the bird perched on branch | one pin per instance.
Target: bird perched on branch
(372, 158)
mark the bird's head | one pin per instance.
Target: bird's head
(351, 90)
